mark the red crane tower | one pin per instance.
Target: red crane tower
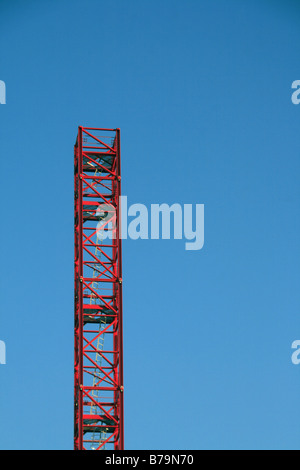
(98, 397)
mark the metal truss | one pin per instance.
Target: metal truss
(98, 397)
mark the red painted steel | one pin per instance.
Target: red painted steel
(98, 397)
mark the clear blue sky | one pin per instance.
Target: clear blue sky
(202, 93)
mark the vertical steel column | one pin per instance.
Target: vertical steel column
(98, 384)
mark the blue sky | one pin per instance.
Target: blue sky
(202, 94)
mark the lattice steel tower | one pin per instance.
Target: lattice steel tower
(98, 400)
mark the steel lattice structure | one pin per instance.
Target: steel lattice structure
(98, 397)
